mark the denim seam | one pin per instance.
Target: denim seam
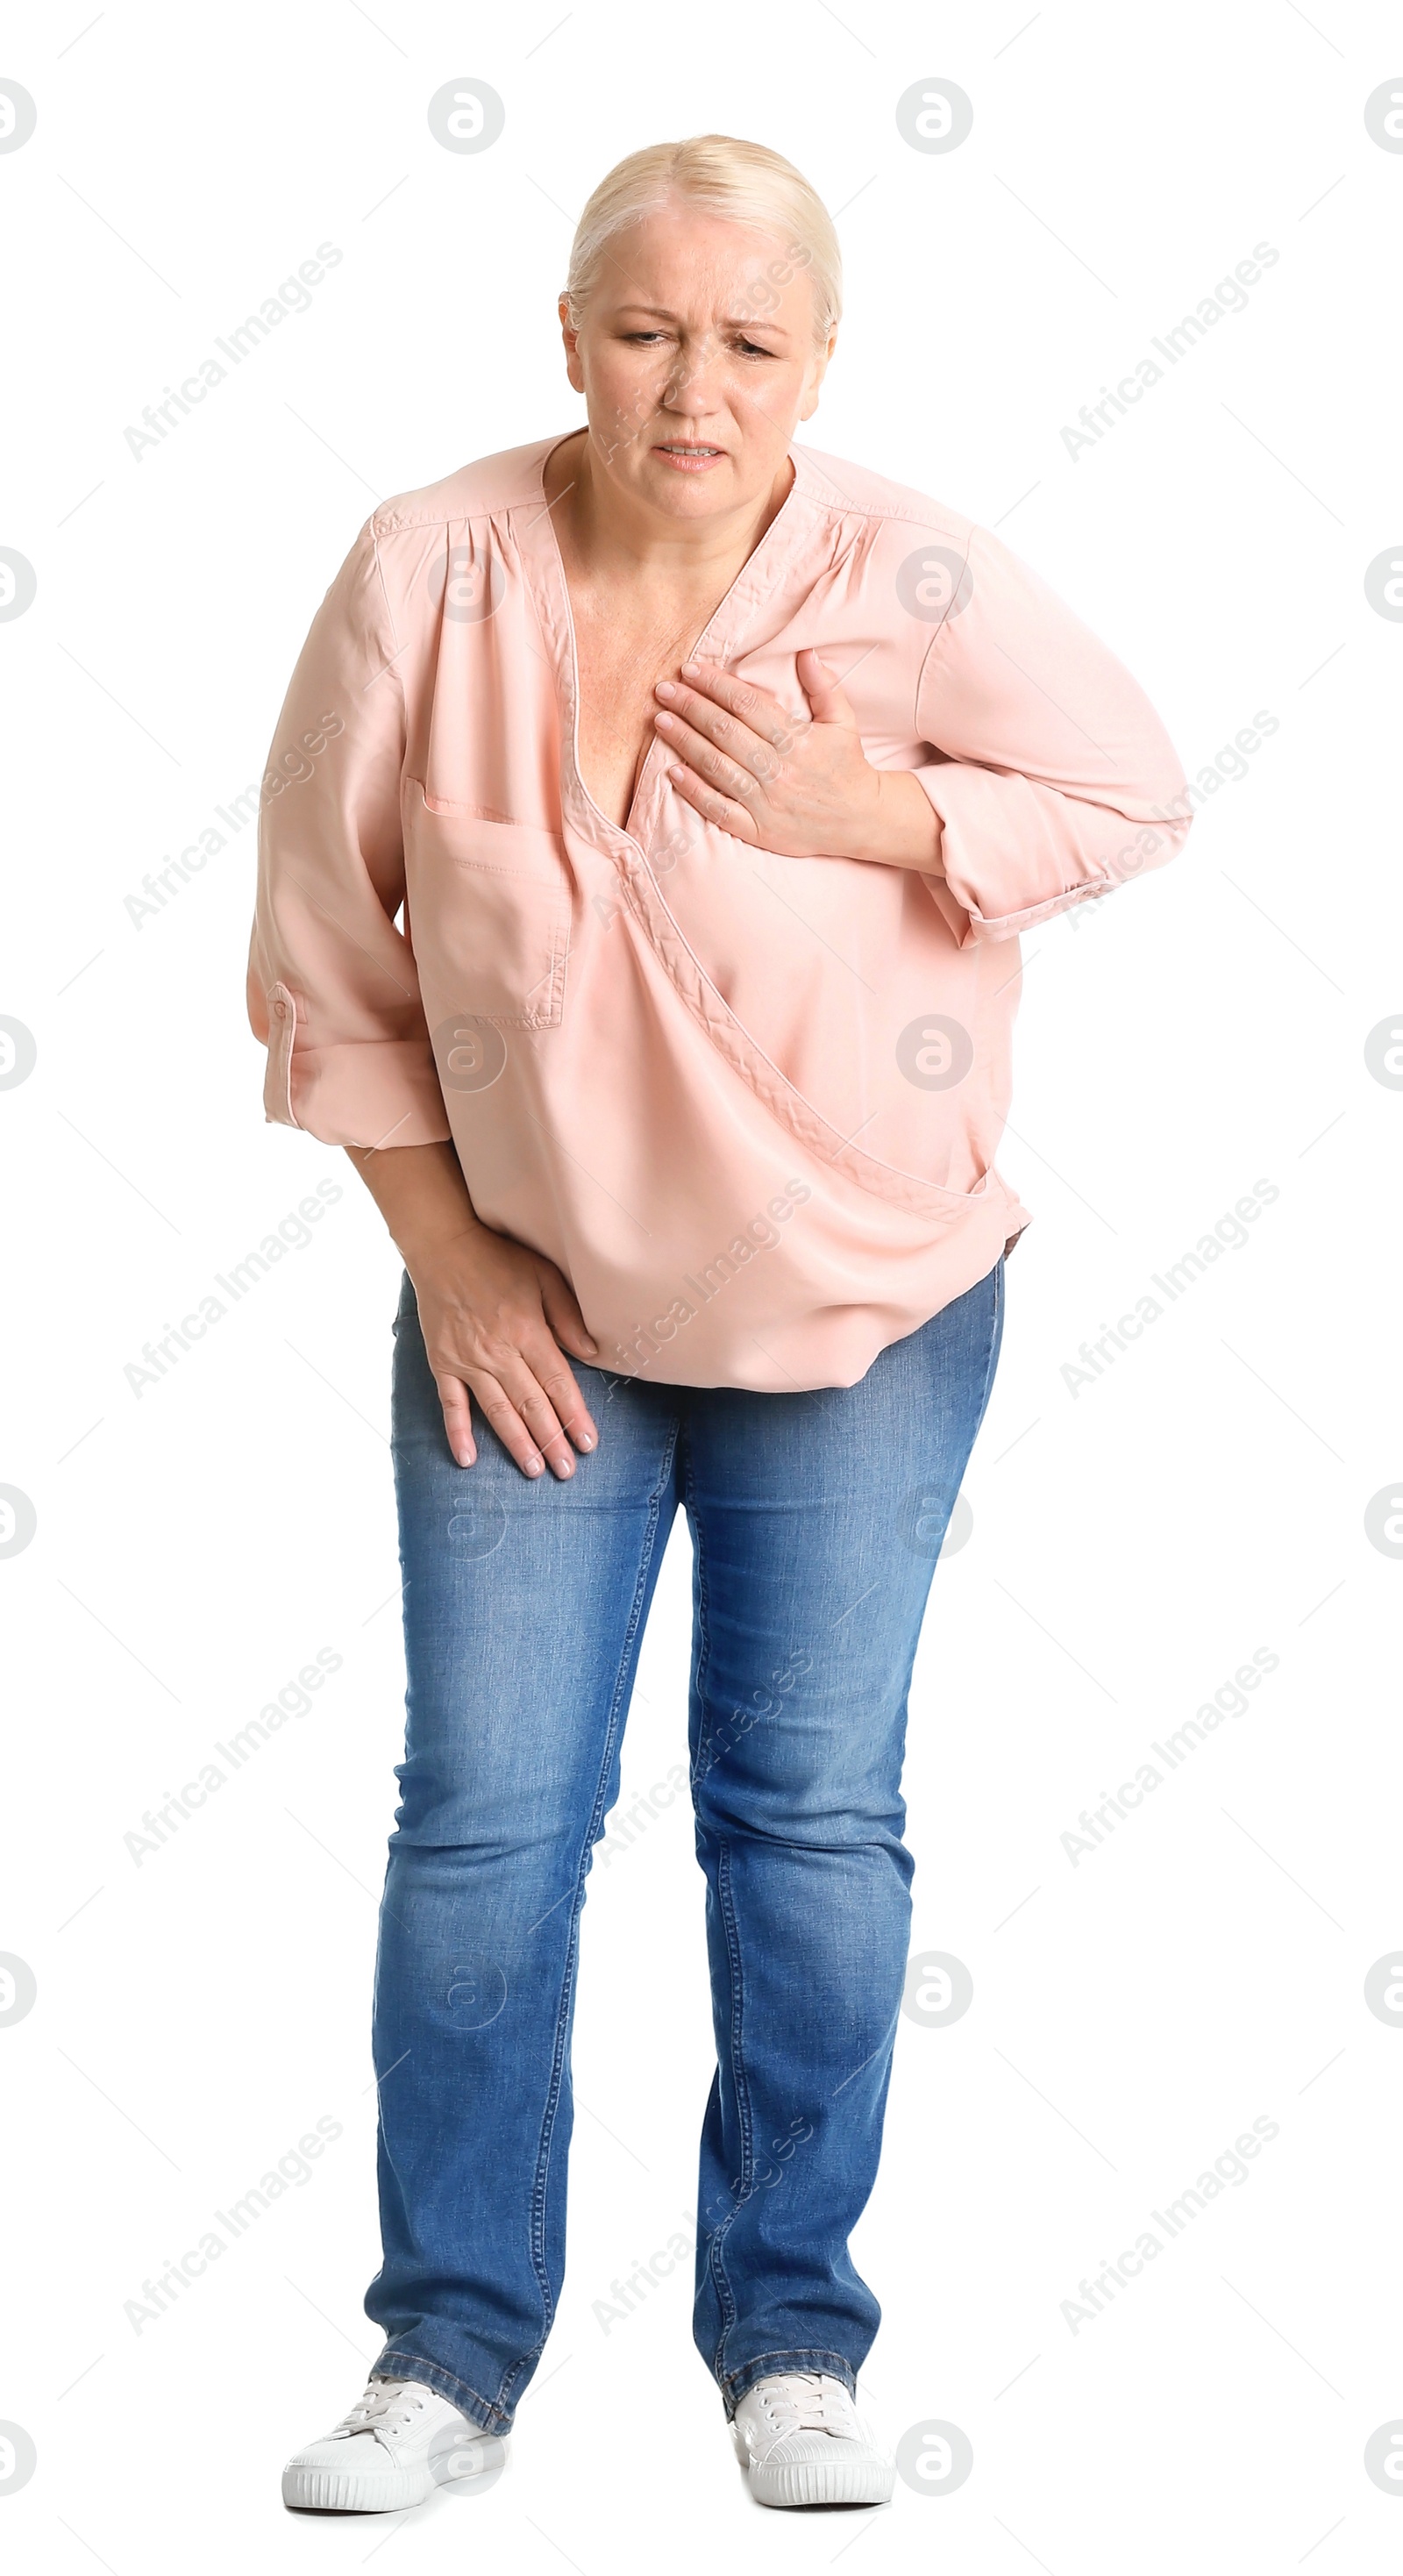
(747, 2156)
(703, 1623)
(716, 2253)
(995, 1338)
(542, 2179)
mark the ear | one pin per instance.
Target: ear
(818, 370)
(571, 338)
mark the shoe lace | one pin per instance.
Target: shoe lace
(808, 2401)
(386, 2405)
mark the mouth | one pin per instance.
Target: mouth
(687, 455)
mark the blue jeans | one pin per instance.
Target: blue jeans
(816, 1520)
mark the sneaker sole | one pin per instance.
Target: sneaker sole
(355, 2491)
(824, 2482)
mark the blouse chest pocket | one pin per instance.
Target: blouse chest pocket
(491, 907)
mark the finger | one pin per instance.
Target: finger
(520, 1374)
(687, 712)
(563, 1311)
(557, 1382)
(571, 1411)
(507, 1420)
(732, 777)
(457, 1418)
(721, 810)
(822, 689)
(760, 709)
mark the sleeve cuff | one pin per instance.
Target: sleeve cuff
(374, 1093)
(1008, 925)
(1000, 835)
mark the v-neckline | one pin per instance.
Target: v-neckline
(556, 560)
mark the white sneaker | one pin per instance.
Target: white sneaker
(803, 2442)
(399, 2441)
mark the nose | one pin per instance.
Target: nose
(690, 385)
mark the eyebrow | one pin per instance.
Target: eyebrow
(731, 322)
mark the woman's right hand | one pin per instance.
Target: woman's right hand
(497, 1320)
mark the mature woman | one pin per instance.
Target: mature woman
(648, 830)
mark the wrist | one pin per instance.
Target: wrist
(905, 830)
(423, 1198)
(425, 1242)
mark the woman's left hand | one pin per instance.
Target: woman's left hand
(798, 785)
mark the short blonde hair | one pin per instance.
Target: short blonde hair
(745, 183)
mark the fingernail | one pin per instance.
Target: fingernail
(688, 668)
(665, 689)
(533, 1466)
(586, 1439)
(590, 1343)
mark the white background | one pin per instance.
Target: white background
(1133, 1542)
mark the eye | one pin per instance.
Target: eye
(752, 349)
(644, 339)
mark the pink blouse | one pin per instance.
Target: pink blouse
(748, 1104)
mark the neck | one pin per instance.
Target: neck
(614, 535)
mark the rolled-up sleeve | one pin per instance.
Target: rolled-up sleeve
(333, 992)
(1054, 779)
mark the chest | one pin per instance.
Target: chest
(619, 659)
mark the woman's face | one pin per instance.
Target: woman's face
(696, 358)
